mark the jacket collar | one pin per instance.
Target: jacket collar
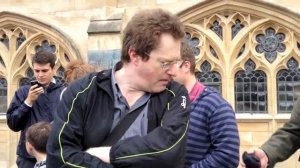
(103, 81)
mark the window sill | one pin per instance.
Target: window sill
(282, 117)
(253, 117)
(262, 117)
(2, 118)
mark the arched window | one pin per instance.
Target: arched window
(45, 46)
(20, 38)
(288, 83)
(250, 90)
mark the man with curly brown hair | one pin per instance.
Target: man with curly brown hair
(130, 116)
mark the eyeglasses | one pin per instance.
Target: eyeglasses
(168, 64)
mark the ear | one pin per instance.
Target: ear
(134, 57)
(29, 147)
(186, 66)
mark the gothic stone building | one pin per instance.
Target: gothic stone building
(247, 49)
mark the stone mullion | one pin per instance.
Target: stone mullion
(227, 54)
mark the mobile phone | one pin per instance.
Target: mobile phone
(250, 160)
(35, 82)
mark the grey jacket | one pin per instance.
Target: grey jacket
(286, 140)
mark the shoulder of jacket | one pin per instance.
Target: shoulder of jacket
(91, 79)
(175, 86)
(209, 91)
(82, 83)
(105, 74)
(24, 88)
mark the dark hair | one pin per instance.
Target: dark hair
(44, 57)
(187, 55)
(37, 135)
(143, 32)
(76, 70)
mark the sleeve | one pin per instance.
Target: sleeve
(224, 137)
(285, 141)
(18, 111)
(162, 147)
(64, 147)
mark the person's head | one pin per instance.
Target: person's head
(187, 66)
(76, 70)
(151, 43)
(37, 136)
(43, 66)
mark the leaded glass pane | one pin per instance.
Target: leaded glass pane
(271, 56)
(281, 47)
(217, 28)
(20, 39)
(250, 90)
(2, 62)
(209, 78)
(249, 68)
(193, 42)
(29, 73)
(241, 51)
(236, 28)
(60, 75)
(23, 60)
(288, 86)
(45, 46)
(3, 95)
(59, 79)
(213, 52)
(26, 80)
(270, 43)
(5, 40)
(67, 57)
(205, 67)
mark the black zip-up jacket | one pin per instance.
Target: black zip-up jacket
(85, 117)
(20, 116)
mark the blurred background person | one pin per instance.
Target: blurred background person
(213, 139)
(36, 142)
(283, 143)
(32, 104)
(76, 70)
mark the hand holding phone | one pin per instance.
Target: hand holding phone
(250, 160)
(35, 90)
(35, 82)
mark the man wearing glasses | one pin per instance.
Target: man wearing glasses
(93, 108)
(213, 139)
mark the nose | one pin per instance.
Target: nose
(172, 70)
(40, 74)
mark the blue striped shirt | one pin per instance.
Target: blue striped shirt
(213, 139)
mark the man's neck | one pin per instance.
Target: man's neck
(190, 82)
(52, 80)
(126, 85)
(40, 156)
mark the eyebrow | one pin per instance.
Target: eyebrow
(41, 69)
(168, 60)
